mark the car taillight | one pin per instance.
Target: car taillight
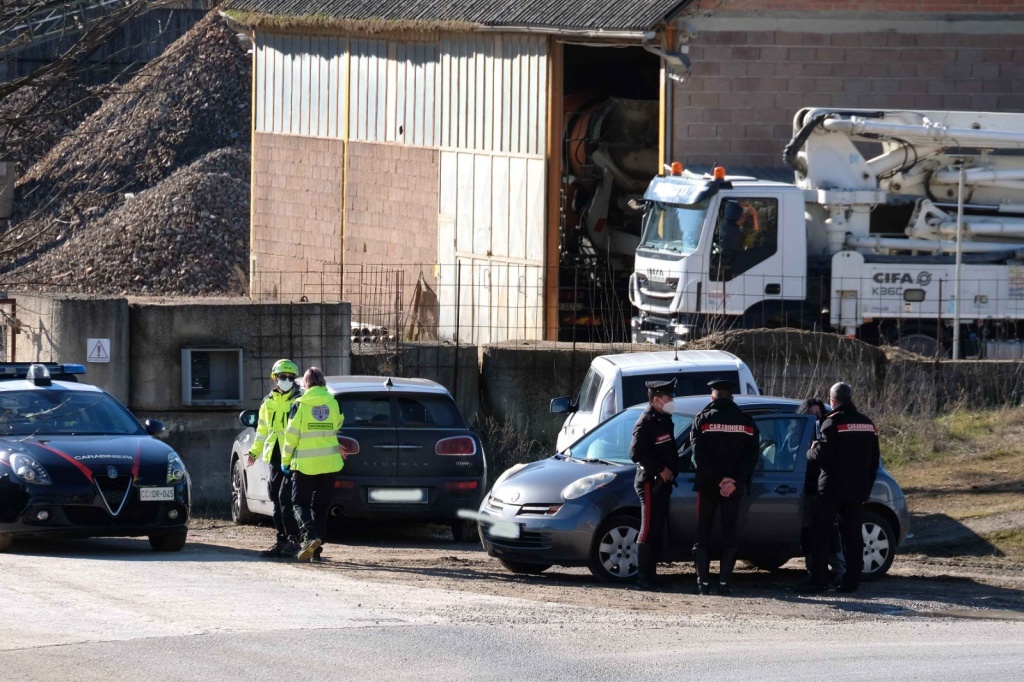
(344, 485)
(460, 485)
(349, 445)
(460, 446)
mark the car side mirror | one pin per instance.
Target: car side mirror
(249, 418)
(154, 427)
(562, 405)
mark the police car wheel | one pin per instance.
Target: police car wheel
(240, 513)
(524, 568)
(5, 542)
(879, 546)
(613, 557)
(170, 542)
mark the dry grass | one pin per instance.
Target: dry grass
(966, 467)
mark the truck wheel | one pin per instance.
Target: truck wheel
(240, 513)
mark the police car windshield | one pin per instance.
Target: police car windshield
(610, 441)
(54, 412)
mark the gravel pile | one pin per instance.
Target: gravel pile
(187, 236)
(34, 119)
(191, 101)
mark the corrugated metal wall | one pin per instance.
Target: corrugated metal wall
(300, 81)
(482, 100)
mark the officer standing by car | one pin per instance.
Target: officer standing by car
(725, 450)
(313, 456)
(273, 419)
(848, 455)
(654, 448)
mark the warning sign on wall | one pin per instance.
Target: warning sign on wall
(98, 350)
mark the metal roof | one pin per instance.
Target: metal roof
(588, 15)
(766, 173)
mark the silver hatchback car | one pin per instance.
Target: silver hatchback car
(578, 507)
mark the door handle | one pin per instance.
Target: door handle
(785, 490)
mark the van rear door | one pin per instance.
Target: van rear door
(634, 388)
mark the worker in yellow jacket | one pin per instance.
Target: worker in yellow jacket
(313, 457)
(269, 442)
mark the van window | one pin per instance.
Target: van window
(588, 394)
(634, 389)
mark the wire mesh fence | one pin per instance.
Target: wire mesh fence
(485, 302)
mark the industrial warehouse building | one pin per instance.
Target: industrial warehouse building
(485, 152)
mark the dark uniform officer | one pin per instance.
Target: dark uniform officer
(725, 450)
(654, 449)
(848, 454)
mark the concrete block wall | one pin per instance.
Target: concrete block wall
(56, 329)
(392, 200)
(296, 225)
(757, 62)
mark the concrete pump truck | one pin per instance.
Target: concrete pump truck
(902, 227)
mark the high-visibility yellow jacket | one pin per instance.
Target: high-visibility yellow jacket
(311, 439)
(273, 421)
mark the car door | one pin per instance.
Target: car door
(257, 481)
(770, 524)
(682, 514)
(370, 421)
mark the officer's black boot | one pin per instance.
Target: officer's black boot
(646, 579)
(727, 564)
(702, 561)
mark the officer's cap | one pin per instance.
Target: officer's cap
(661, 387)
(722, 384)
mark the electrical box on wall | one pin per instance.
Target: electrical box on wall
(211, 376)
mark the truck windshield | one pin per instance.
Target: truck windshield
(673, 227)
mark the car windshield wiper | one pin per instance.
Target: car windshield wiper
(603, 461)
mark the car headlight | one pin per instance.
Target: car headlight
(175, 469)
(29, 470)
(508, 472)
(586, 485)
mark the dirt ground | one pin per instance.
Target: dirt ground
(425, 556)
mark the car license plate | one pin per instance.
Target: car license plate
(156, 494)
(397, 495)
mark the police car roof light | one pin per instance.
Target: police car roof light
(38, 375)
(21, 369)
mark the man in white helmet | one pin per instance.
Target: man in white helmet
(270, 430)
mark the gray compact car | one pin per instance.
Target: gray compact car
(579, 508)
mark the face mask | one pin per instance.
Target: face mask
(285, 384)
(669, 407)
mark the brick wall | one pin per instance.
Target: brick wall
(391, 215)
(296, 226)
(738, 106)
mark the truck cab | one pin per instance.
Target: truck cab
(716, 250)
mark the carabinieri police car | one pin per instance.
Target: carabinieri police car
(74, 462)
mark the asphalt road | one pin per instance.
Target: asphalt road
(114, 610)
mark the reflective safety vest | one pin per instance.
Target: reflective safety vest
(273, 421)
(311, 439)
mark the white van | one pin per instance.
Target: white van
(616, 382)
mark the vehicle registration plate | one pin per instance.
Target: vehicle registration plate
(156, 494)
(397, 495)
